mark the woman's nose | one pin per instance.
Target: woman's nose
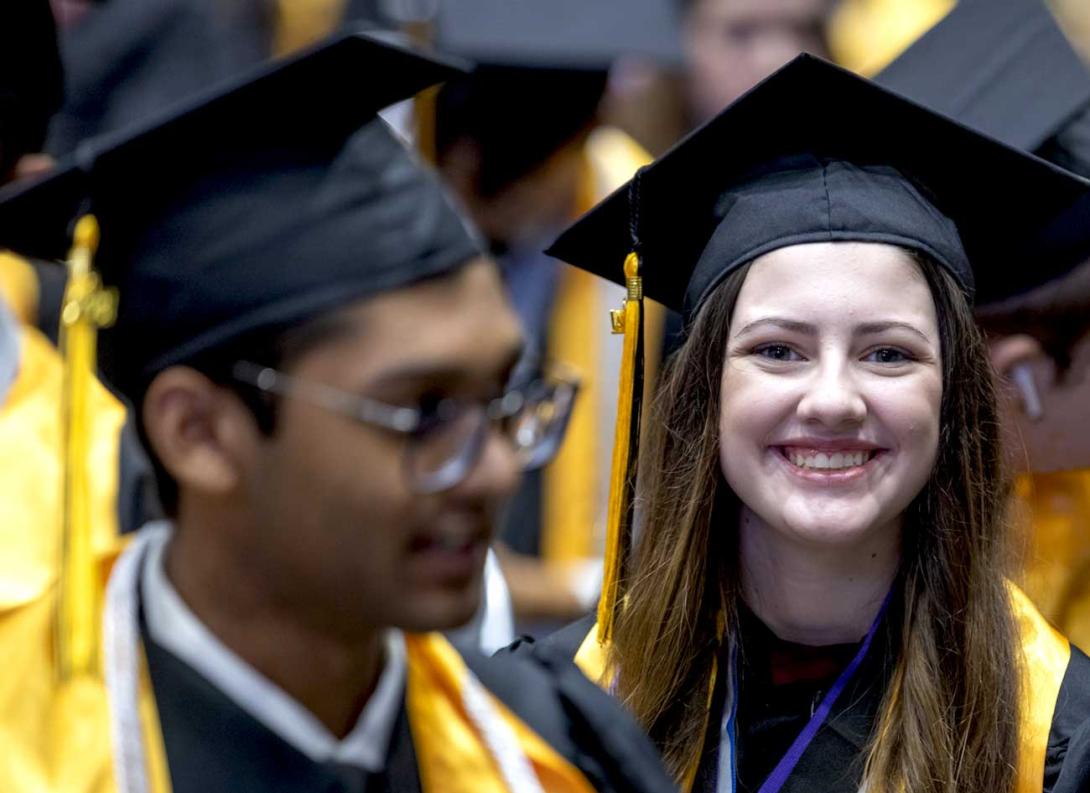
(832, 397)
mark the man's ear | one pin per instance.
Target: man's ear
(200, 432)
(1007, 352)
(1019, 360)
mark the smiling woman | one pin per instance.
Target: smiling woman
(810, 582)
(808, 402)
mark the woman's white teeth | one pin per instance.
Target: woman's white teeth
(829, 461)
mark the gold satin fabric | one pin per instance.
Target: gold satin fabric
(19, 287)
(53, 737)
(1052, 516)
(449, 752)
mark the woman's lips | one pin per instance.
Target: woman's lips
(825, 459)
(827, 465)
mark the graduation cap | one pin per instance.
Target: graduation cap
(1006, 68)
(815, 153)
(262, 203)
(266, 202)
(559, 34)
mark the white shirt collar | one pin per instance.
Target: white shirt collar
(177, 629)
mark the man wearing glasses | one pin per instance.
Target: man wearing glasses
(321, 362)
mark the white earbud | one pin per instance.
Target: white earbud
(1022, 377)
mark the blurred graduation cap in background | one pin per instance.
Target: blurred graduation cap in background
(559, 34)
(1006, 68)
(268, 201)
(813, 154)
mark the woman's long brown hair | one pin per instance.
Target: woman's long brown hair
(949, 718)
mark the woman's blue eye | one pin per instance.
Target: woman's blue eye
(888, 355)
(778, 352)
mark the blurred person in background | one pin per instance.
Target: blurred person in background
(320, 359)
(521, 142)
(1007, 68)
(731, 45)
(1040, 343)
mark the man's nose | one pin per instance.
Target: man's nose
(498, 469)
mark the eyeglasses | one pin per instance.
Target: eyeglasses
(445, 439)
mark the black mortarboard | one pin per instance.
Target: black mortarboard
(262, 204)
(816, 153)
(559, 34)
(1006, 68)
(31, 80)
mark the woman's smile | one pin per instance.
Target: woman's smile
(833, 463)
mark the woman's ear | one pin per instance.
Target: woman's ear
(200, 432)
(1012, 357)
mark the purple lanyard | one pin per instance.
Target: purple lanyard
(780, 774)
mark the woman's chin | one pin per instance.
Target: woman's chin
(828, 530)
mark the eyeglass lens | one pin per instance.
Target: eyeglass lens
(444, 454)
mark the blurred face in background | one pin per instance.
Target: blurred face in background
(730, 45)
(1040, 346)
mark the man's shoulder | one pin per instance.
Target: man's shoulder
(583, 723)
(564, 642)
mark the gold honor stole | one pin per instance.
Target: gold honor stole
(451, 753)
(1045, 655)
(84, 735)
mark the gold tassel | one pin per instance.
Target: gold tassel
(87, 307)
(626, 320)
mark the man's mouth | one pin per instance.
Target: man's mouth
(818, 460)
(451, 553)
(448, 541)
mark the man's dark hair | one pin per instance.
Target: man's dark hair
(278, 348)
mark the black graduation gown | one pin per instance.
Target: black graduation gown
(833, 763)
(214, 746)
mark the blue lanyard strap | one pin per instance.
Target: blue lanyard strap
(782, 772)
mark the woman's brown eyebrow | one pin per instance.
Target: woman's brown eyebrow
(881, 327)
(807, 329)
